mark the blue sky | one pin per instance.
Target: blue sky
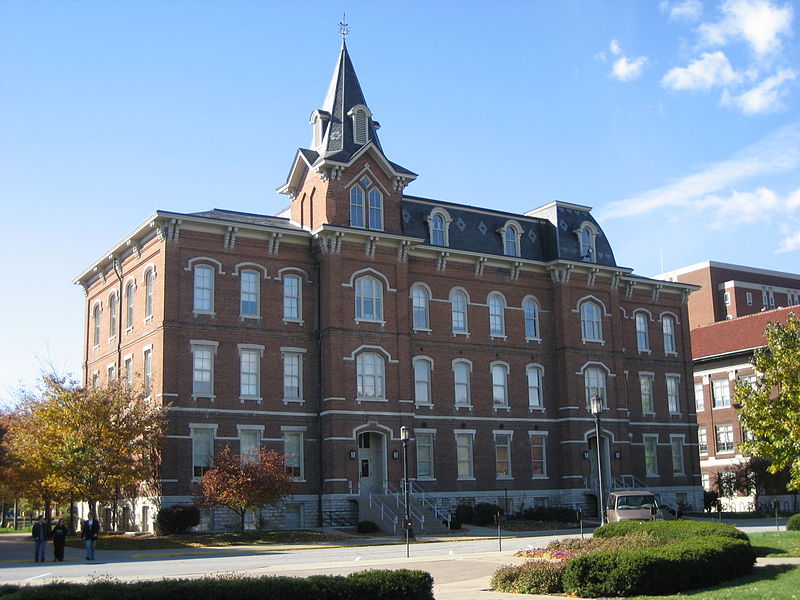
(677, 121)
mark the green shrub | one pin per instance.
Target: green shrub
(547, 513)
(532, 577)
(177, 518)
(687, 564)
(793, 524)
(367, 527)
(670, 530)
(485, 514)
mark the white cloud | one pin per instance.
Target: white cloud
(689, 10)
(759, 22)
(794, 200)
(777, 153)
(711, 69)
(763, 98)
(741, 207)
(624, 68)
(789, 243)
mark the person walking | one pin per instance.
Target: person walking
(89, 533)
(40, 532)
(59, 535)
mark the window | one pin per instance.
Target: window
(668, 327)
(370, 376)
(438, 230)
(250, 372)
(497, 325)
(702, 440)
(535, 398)
(203, 369)
(293, 449)
(646, 388)
(148, 371)
(422, 382)
(749, 298)
(424, 443)
(292, 376)
(148, 294)
(530, 310)
(464, 455)
(373, 219)
(721, 391)
(128, 372)
(705, 479)
(511, 237)
(461, 372)
(291, 298)
(111, 372)
(673, 397)
(96, 324)
(699, 400)
(369, 299)
(112, 316)
(586, 237)
(203, 288)
(538, 455)
(249, 293)
(202, 450)
(724, 438)
(594, 381)
(500, 385)
(726, 298)
(419, 300)
(129, 295)
(677, 454)
(591, 326)
(642, 334)
(458, 311)
(651, 456)
(249, 445)
(360, 126)
(502, 455)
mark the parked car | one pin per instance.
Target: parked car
(636, 506)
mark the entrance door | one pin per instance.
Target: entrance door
(371, 462)
(606, 465)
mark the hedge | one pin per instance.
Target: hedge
(670, 530)
(402, 584)
(793, 524)
(685, 565)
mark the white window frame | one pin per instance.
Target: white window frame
(587, 237)
(297, 470)
(203, 302)
(721, 392)
(642, 332)
(248, 352)
(723, 438)
(499, 372)
(292, 298)
(676, 443)
(149, 284)
(201, 464)
(420, 308)
(650, 454)
(113, 305)
(465, 454)
(127, 362)
(456, 312)
(130, 305)
(503, 440)
(702, 440)
(368, 299)
(439, 236)
(250, 453)
(668, 329)
(201, 347)
(591, 321)
(699, 397)
(512, 239)
(147, 369)
(370, 377)
(646, 393)
(673, 382)
(97, 315)
(535, 377)
(357, 201)
(530, 315)
(594, 383)
(462, 367)
(423, 440)
(543, 447)
(497, 315)
(292, 371)
(422, 368)
(249, 278)
(748, 296)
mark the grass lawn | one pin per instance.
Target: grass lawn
(12, 530)
(203, 540)
(776, 543)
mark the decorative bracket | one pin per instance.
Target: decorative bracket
(371, 245)
(274, 242)
(516, 266)
(591, 276)
(629, 287)
(230, 237)
(656, 292)
(441, 261)
(479, 265)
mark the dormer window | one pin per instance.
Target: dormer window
(371, 215)
(511, 238)
(438, 225)
(318, 120)
(586, 237)
(360, 115)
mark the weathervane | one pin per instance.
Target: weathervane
(344, 31)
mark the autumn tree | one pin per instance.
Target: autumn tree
(770, 407)
(242, 483)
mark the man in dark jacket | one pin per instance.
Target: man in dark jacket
(89, 533)
(40, 532)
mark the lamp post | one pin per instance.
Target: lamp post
(596, 407)
(405, 435)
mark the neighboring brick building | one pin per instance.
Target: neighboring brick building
(322, 331)
(731, 291)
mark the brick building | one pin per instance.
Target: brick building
(361, 309)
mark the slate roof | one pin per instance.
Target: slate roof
(233, 216)
(736, 335)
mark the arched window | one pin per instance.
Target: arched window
(511, 239)
(422, 381)
(497, 325)
(458, 311)
(420, 301)
(370, 376)
(96, 323)
(249, 293)
(375, 209)
(594, 380)
(369, 299)
(292, 297)
(642, 334)
(500, 385)
(461, 383)
(535, 397)
(112, 316)
(437, 231)
(586, 237)
(356, 206)
(203, 288)
(668, 327)
(531, 312)
(148, 294)
(360, 124)
(129, 295)
(372, 218)
(591, 325)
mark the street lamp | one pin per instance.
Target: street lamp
(596, 407)
(405, 435)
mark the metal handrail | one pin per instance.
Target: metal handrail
(431, 506)
(385, 512)
(400, 501)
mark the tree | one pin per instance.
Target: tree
(770, 408)
(240, 484)
(95, 442)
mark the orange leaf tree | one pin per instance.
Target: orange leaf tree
(240, 484)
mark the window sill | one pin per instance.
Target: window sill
(504, 477)
(427, 330)
(298, 321)
(465, 479)
(300, 401)
(467, 406)
(424, 405)
(536, 409)
(653, 476)
(198, 313)
(537, 340)
(128, 329)
(670, 353)
(586, 341)
(644, 350)
(540, 477)
(250, 317)
(298, 479)
(210, 397)
(112, 338)
(368, 399)
(376, 321)
(461, 333)
(498, 336)
(96, 347)
(148, 318)
(674, 413)
(721, 407)
(497, 407)
(244, 399)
